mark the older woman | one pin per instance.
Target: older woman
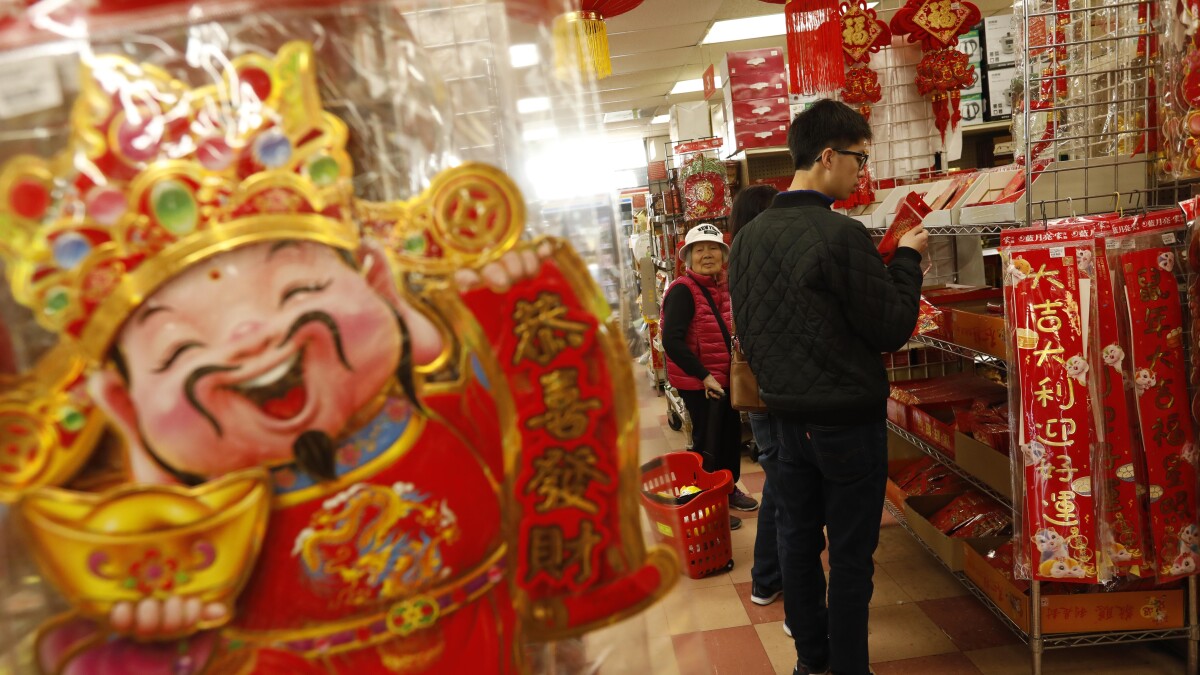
(695, 336)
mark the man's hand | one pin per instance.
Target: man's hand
(916, 239)
(712, 388)
(151, 618)
(499, 276)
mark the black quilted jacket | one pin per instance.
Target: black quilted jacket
(814, 307)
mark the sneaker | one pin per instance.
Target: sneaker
(735, 523)
(802, 670)
(762, 596)
(786, 630)
(741, 501)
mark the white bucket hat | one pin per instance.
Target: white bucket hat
(702, 232)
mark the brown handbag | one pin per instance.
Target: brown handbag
(743, 385)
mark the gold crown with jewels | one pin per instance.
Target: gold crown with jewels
(158, 176)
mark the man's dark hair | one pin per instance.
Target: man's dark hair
(748, 203)
(827, 124)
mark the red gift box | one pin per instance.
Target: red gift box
(752, 63)
(763, 110)
(768, 135)
(758, 86)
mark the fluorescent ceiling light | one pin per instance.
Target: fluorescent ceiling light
(523, 55)
(532, 105)
(748, 28)
(620, 116)
(693, 86)
(661, 119)
(767, 25)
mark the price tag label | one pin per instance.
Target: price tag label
(28, 87)
(1058, 252)
(1169, 238)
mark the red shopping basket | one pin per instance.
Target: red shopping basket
(699, 529)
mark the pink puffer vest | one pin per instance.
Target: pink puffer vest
(704, 336)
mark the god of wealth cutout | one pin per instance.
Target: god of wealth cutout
(353, 437)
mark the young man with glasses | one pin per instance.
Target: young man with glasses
(815, 306)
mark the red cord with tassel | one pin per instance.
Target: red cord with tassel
(814, 39)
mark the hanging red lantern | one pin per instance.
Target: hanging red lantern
(936, 25)
(580, 37)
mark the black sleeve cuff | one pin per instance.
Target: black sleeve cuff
(911, 253)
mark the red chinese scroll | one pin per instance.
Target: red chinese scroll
(1124, 533)
(1160, 383)
(1047, 319)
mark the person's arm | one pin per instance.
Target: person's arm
(879, 301)
(678, 310)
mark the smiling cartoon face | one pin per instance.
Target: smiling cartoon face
(1077, 367)
(1048, 541)
(1190, 536)
(1166, 261)
(1113, 355)
(1184, 564)
(230, 362)
(1144, 378)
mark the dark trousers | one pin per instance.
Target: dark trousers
(766, 573)
(716, 431)
(832, 479)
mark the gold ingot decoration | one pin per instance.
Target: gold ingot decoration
(142, 542)
(1082, 486)
(48, 425)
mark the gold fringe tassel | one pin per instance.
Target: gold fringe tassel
(581, 45)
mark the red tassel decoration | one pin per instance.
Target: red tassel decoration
(814, 39)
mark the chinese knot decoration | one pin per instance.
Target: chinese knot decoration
(704, 191)
(943, 73)
(863, 33)
(812, 46)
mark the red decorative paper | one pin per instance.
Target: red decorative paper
(1124, 540)
(1054, 419)
(1160, 383)
(863, 32)
(944, 71)
(911, 213)
(862, 89)
(936, 24)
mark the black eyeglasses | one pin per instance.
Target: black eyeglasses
(862, 157)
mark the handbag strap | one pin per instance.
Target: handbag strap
(717, 313)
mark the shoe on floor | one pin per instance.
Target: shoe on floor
(801, 670)
(741, 501)
(787, 631)
(764, 596)
(735, 523)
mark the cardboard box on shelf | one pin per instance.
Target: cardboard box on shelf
(971, 108)
(951, 293)
(690, 120)
(984, 462)
(999, 94)
(901, 454)
(999, 40)
(974, 327)
(934, 422)
(1076, 613)
(917, 511)
(971, 44)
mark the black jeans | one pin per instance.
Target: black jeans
(829, 478)
(716, 431)
(766, 572)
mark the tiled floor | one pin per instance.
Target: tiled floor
(922, 620)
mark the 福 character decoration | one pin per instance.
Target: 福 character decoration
(943, 72)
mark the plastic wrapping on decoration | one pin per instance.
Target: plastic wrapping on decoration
(1145, 254)
(1048, 283)
(319, 350)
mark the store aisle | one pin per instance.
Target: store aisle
(922, 620)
